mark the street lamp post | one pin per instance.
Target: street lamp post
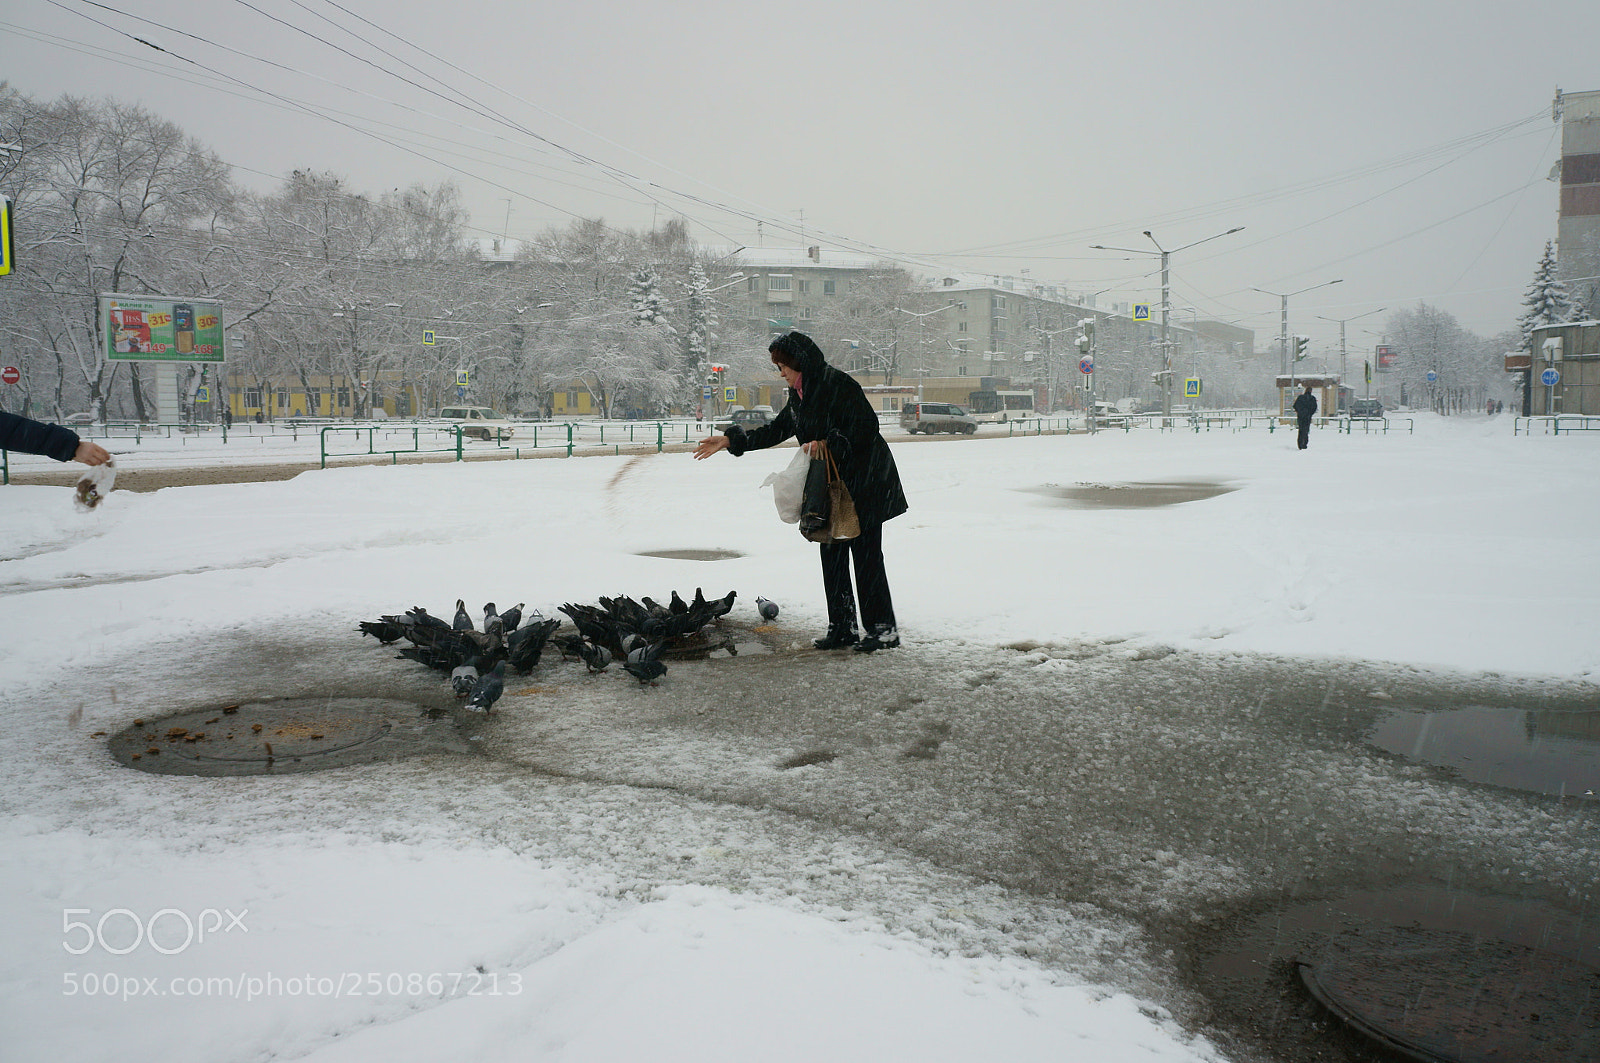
(1343, 374)
(1166, 306)
(923, 375)
(1283, 324)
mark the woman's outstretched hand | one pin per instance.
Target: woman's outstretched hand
(709, 446)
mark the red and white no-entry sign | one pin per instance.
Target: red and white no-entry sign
(10, 374)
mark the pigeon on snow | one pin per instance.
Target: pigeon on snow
(767, 608)
(464, 678)
(463, 620)
(525, 645)
(596, 658)
(493, 625)
(512, 617)
(488, 688)
(644, 663)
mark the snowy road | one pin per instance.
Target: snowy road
(1046, 790)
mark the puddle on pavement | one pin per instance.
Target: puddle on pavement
(692, 555)
(1130, 495)
(278, 737)
(1547, 751)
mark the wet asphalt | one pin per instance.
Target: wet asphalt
(1230, 807)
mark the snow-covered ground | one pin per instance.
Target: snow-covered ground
(402, 911)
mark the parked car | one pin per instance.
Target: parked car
(934, 417)
(1109, 415)
(747, 419)
(1366, 408)
(478, 421)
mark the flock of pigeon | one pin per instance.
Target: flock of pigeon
(475, 658)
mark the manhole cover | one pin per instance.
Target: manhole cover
(1461, 998)
(262, 738)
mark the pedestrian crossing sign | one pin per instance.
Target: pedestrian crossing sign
(1191, 388)
(428, 338)
(1141, 311)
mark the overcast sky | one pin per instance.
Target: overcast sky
(1402, 147)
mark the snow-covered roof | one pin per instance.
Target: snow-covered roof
(790, 257)
(495, 249)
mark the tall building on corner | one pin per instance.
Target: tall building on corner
(1578, 225)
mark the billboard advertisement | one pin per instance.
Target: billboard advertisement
(1388, 358)
(159, 328)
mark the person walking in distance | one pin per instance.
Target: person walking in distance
(1305, 408)
(829, 414)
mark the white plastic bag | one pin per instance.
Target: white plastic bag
(789, 485)
(94, 485)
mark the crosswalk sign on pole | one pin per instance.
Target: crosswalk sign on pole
(428, 339)
(1141, 311)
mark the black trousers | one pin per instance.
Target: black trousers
(1305, 432)
(872, 584)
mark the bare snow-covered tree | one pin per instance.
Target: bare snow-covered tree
(1467, 368)
(109, 198)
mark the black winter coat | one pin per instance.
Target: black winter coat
(32, 437)
(1305, 406)
(835, 409)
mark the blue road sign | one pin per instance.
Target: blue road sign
(1085, 365)
(1550, 377)
(1432, 376)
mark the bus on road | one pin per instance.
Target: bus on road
(1000, 405)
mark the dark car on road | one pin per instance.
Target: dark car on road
(1366, 408)
(746, 419)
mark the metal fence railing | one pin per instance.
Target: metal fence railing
(1554, 424)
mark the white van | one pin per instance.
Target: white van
(479, 421)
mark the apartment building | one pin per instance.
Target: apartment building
(1578, 222)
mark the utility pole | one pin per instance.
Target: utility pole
(1166, 307)
(1343, 353)
(1283, 327)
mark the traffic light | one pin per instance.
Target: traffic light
(1300, 345)
(1083, 344)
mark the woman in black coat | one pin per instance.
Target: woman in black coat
(829, 414)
